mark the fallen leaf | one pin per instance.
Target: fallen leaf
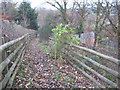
(40, 79)
(32, 79)
(62, 78)
(104, 74)
(27, 84)
(53, 74)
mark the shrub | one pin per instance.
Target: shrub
(62, 34)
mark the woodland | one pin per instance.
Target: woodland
(74, 45)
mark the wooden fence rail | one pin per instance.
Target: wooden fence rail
(11, 54)
(77, 56)
(116, 73)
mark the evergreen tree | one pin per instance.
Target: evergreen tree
(27, 16)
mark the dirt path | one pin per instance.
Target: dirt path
(39, 71)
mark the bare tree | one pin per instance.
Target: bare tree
(9, 10)
(114, 6)
(62, 8)
(82, 13)
(100, 20)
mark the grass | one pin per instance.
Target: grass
(67, 80)
(44, 46)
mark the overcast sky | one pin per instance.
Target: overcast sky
(43, 4)
(36, 3)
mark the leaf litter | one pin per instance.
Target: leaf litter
(39, 71)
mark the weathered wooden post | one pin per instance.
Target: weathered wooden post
(1, 54)
(0, 39)
(27, 40)
(0, 62)
(4, 55)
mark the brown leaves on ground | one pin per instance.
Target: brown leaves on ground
(39, 71)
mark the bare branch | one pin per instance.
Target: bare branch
(53, 5)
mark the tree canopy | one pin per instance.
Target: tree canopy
(27, 16)
(8, 10)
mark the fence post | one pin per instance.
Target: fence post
(0, 62)
(26, 39)
(1, 56)
(118, 78)
(0, 41)
(4, 56)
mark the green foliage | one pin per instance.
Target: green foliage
(61, 35)
(103, 39)
(28, 15)
(110, 77)
(50, 22)
(80, 28)
(44, 47)
(45, 31)
(64, 34)
(95, 58)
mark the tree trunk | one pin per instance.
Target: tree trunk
(55, 52)
(96, 24)
(95, 42)
(64, 16)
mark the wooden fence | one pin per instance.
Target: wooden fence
(81, 58)
(2, 40)
(11, 54)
